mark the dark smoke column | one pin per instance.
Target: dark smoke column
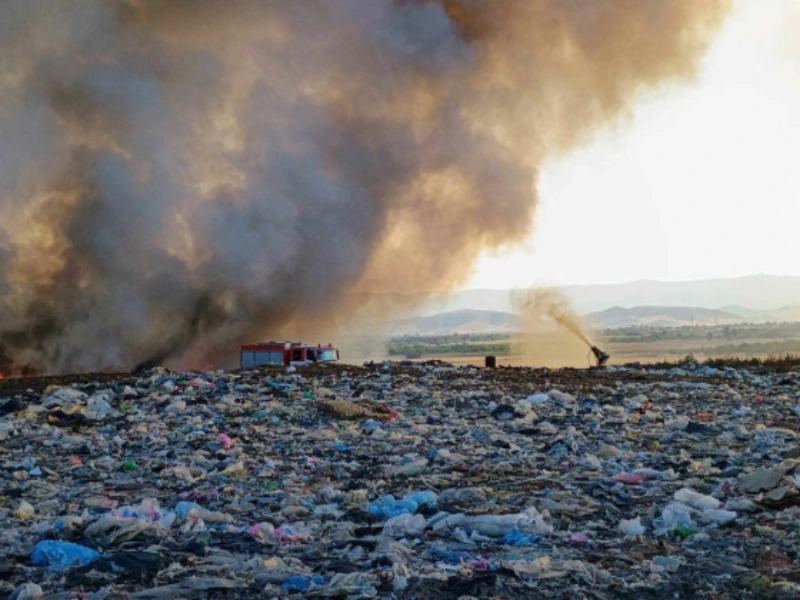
(177, 176)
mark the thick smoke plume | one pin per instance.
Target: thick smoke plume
(177, 176)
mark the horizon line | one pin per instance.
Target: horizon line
(632, 281)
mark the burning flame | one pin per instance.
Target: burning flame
(15, 376)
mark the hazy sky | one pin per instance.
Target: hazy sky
(701, 181)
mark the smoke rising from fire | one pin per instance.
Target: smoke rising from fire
(176, 177)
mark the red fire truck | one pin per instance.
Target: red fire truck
(285, 353)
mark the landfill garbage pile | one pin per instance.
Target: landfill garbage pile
(402, 480)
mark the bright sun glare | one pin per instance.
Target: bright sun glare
(699, 182)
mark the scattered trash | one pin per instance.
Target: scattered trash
(25, 510)
(538, 398)
(422, 480)
(518, 538)
(296, 583)
(631, 478)
(27, 591)
(404, 525)
(225, 441)
(661, 564)
(387, 506)
(695, 500)
(762, 479)
(632, 526)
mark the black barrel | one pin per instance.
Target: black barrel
(491, 362)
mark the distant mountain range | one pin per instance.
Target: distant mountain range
(660, 316)
(756, 299)
(489, 321)
(758, 293)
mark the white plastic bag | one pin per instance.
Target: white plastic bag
(632, 526)
(696, 500)
(404, 525)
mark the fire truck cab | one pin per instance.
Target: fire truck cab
(285, 353)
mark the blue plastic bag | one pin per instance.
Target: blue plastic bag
(182, 509)
(449, 556)
(388, 507)
(422, 499)
(518, 538)
(296, 583)
(62, 555)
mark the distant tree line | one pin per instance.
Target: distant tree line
(741, 331)
(418, 346)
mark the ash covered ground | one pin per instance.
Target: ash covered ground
(401, 480)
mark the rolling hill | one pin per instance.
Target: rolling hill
(755, 293)
(659, 316)
(490, 321)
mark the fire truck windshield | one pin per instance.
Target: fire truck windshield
(326, 354)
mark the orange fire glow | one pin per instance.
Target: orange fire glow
(13, 376)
